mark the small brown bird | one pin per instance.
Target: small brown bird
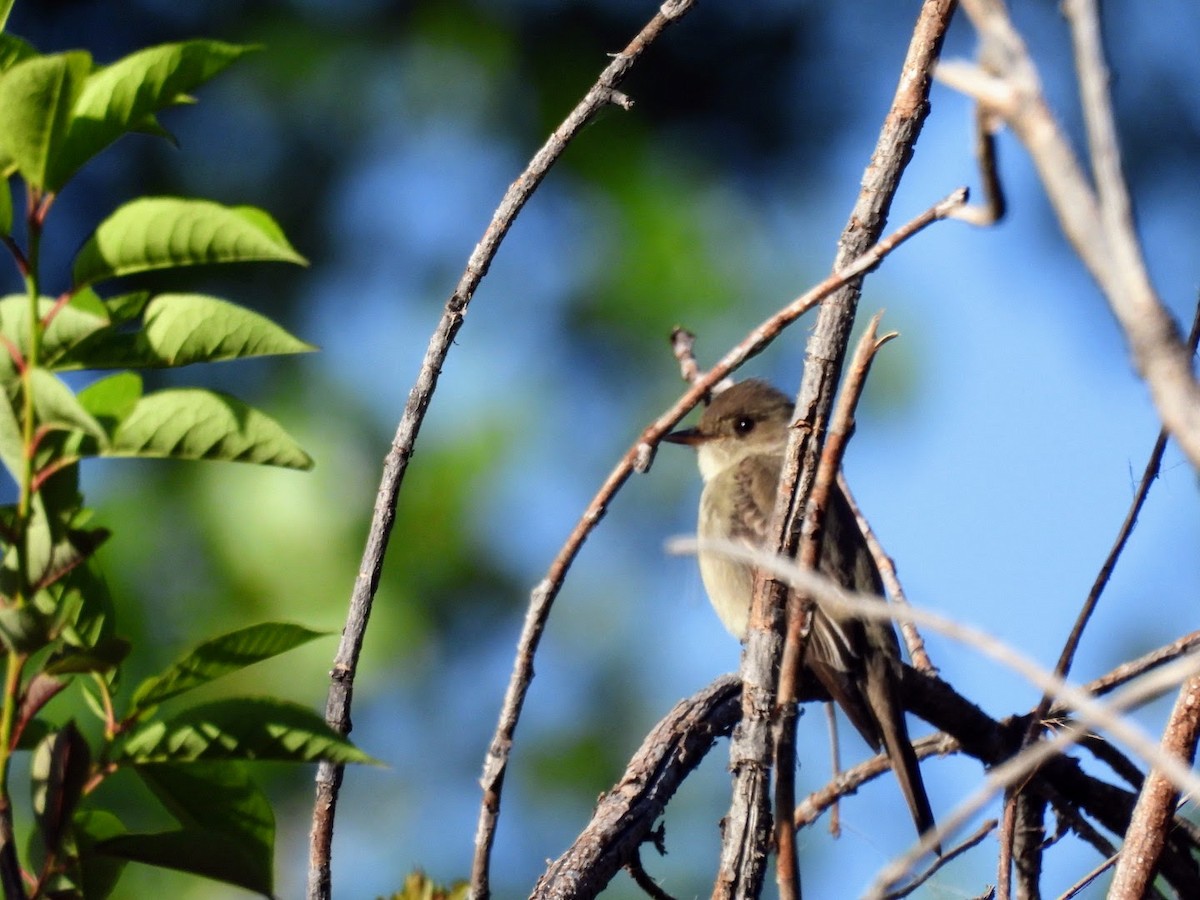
(740, 443)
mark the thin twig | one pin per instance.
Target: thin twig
(1008, 830)
(1135, 668)
(747, 831)
(787, 871)
(683, 344)
(1088, 878)
(337, 711)
(1146, 836)
(974, 840)
(1067, 655)
(887, 571)
(1095, 219)
(843, 784)
(643, 880)
(993, 207)
(637, 458)
(835, 760)
(1149, 475)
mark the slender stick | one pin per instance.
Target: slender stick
(1067, 655)
(638, 458)
(787, 872)
(966, 844)
(1146, 836)
(747, 826)
(337, 710)
(887, 571)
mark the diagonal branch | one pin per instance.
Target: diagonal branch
(842, 426)
(1155, 809)
(1096, 218)
(747, 826)
(638, 458)
(337, 711)
(625, 816)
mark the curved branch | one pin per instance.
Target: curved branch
(748, 825)
(625, 816)
(337, 709)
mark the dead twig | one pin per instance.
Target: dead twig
(800, 608)
(962, 847)
(887, 571)
(1155, 808)
(747, 826)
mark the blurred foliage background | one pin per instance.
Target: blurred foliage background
(995, 454)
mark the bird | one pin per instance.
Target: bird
(740, 442)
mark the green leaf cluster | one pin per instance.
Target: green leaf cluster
(57, 625)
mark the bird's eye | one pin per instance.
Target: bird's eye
(743, 426)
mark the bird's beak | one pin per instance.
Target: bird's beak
(690, 436)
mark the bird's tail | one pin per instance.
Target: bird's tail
(889, 715)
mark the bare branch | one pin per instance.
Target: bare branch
(1155, 808)
(625, 815)
(842, 426)
(887, 572)
(993, 207)
(843, 784)
(1097, 220)
(337, 711)
(953, 853)
(747, 831)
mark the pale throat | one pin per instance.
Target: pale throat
(714, 457)
(711, 459)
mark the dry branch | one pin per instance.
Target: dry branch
(625, 817)
(1096, 217)
(337, 711)
(748, 824)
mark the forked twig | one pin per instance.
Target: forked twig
(747, 833)
(638, 458)
(799, 607)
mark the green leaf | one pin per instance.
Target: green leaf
(181, 329)
(242, 728)
(122, 97)
(56, 406)
(74, 323)
(220, 656)
(12, 48)
(228, 827)
(192, 423)
(36, 99)
(12, 441)
(165, 232)
(104, 657)
(126, 307)
(61, 766)
(22, 629)
(5, 206)
(110, 400)
(99, 872)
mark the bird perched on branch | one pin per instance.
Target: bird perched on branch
(740, 443)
